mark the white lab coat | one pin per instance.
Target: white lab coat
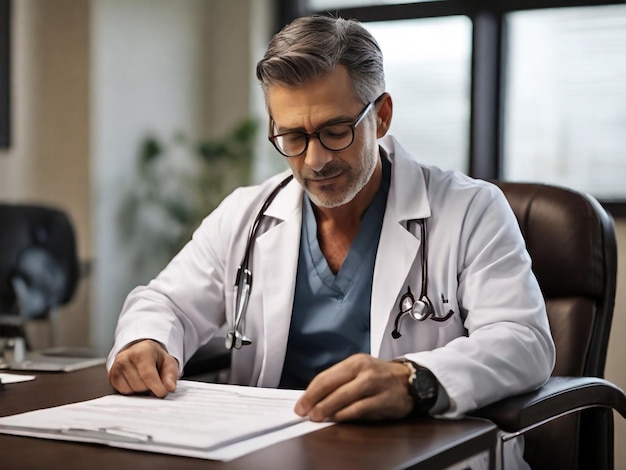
(497, 343)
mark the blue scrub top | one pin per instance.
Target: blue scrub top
(331, 313)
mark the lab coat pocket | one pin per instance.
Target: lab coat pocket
(453, 326)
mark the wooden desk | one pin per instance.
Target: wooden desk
(420, 444)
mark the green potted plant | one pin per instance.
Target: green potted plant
(177, 183)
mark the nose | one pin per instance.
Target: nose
(316, 155)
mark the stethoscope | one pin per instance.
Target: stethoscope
(420, 309)
(236, 338)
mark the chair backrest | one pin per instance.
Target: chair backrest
(36, 238)
(572, 244)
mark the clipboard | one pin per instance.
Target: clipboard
(208, 421)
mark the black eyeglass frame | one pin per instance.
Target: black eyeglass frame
(316, 134)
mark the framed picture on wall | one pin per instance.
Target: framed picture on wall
(5, 73)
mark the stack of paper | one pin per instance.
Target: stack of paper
(202, 420)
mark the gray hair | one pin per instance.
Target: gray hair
(312, 46)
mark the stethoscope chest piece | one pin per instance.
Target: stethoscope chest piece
(407, 304)
(422, 308)
(235, 339)
(417, 309)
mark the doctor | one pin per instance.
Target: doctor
(382, 286)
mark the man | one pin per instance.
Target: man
(363, 239)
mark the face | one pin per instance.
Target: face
(330, 178)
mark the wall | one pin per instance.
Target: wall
(90, 81)
(158, 67)
(48, 162)
(147, 59)
(616, 356)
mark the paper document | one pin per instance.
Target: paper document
(203, 420)
(14, 378)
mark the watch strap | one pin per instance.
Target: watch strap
(422, 386)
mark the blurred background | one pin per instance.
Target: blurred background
(137, 116)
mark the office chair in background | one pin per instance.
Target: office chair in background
(568, 423)
(39, 268)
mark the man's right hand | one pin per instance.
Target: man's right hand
(143, 367)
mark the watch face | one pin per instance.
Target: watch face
(425, 384)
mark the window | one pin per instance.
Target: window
(565, 120)
(544, 100)
(331, 4)
(427, 68)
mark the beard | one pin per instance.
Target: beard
(352, 179)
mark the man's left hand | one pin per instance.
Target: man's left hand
(359, 387)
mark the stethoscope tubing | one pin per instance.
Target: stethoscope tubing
(236, 337)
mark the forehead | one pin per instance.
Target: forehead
(330, 96)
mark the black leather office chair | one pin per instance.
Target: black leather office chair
(39, 268)
(568, 423)
(571, 240)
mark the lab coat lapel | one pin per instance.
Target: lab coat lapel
(398, 247)
(278, 256)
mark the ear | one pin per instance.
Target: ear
(384, 112)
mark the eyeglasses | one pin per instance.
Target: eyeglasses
(335, 137)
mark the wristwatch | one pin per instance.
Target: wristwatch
(423, 387)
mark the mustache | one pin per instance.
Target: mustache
(328, 171)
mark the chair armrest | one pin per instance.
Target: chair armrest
(558, 397)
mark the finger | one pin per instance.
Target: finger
(385, 405)
(149, 367)
(149, 380)
(119, 382)
(334, 402)
(379, 391)
(319, 388)
(385, 394)
(368, 383)
(168, 372)
(365, 408)
(329, 381)
(136, 369)
(135, 372)
(124, 376)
